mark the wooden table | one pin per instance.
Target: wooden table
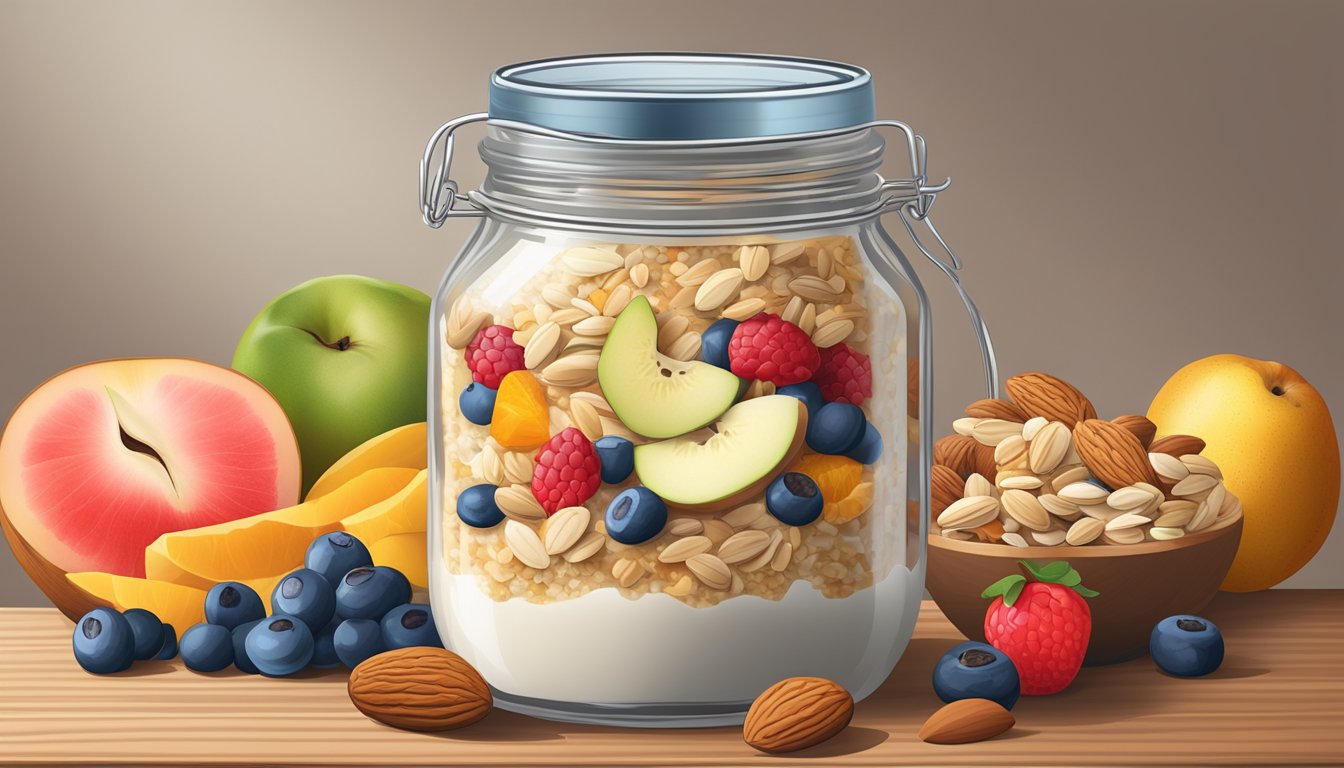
(1278, 700)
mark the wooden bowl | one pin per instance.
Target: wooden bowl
(1140, 584)
(71, 600)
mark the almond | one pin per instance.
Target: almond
(591, 262)
(957, 453)
(996, 409)
(1113, 453)
(965, 721)
(1050, 445)
(984, 460)
(1142, 428)
(1041, 394)
(420, 689)
(1177, 445)
(797, 713)
(946, 486)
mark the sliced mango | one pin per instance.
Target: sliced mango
(173, 603)
(269, 544)
(520, 421)
(406, 552)
(405, 511)
(836, 476)
(400, 447)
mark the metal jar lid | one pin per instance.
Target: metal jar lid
(683, 96)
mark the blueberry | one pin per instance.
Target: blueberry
(617, 456)
(869, 449)
(793, 498)
(306, 595)
(207, 647)
(1186, 646)
(334, 554)
(356, 640)
(280, 645)
(976, 671)
(476, 507)
(146, 631)
(369, 593)
(324, 647)
(836, 428)
(229, 604)
(169, 648)
(477, 403)
(808, 392)
(635, 515)
(410, 625)
(714, 343)
(103, 642)
(240, 657)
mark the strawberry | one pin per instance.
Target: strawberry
(1042, 622)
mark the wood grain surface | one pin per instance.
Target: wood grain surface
(1278, 700)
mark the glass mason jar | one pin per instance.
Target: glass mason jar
(677, 434)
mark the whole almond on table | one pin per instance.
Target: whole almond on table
(797, 713)
(1177, 445)
(1142, 428)
(420, 689)
(1113, 454)
(1041, 394)
(965, 721)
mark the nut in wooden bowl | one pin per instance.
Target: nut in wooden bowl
(420, 689)
(797, 713)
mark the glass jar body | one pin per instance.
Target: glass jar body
(727, 597)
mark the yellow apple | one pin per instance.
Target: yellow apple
(1271, 434)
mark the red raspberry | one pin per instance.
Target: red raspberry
(1044, 630)
(770, 349)
(568, 471)
(845, 376)
(493, 354)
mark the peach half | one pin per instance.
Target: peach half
(102, 459)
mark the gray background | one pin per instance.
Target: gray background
(1137, 185)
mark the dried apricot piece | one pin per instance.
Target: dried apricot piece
(520, 421)
(836, 476)
(850, 507)
(598, 298)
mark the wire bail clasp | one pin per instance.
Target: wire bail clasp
(439, 199)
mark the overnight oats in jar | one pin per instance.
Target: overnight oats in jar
(675, 413)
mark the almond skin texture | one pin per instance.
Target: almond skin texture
(956, 452)
(1177, 445)
(1041, 394)
(797, 713)
(420, 689)
(1113, 454)
(965, 721)
(1142, 428)
(997, 409)
(946, 487)
(984, 460)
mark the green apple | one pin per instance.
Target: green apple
(729, 463)
(652, 394)
(346, 356)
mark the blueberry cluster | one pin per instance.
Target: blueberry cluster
(107, 641)
(338, 609)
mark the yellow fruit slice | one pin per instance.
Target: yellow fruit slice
(836, 476)
(520, 421)
(400, 447)
(405, 511)
(850, 507)
(271, 543)
(406, 553)
(173, 603)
